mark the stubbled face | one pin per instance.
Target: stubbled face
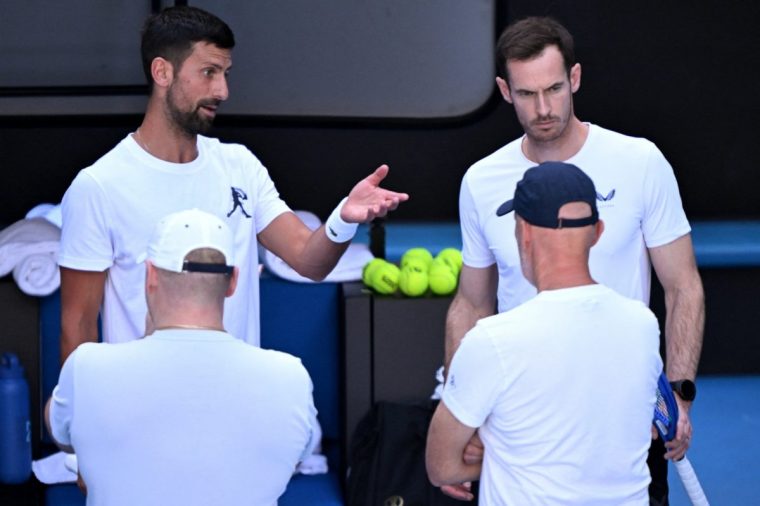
(198, 88)
(542, 94)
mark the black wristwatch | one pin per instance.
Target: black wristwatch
(686, 389)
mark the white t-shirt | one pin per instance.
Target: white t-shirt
(637, 198)
(111, 207)
(563, 390)
(184, 418)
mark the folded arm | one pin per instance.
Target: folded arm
(445, 451)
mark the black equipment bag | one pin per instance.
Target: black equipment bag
(387, 458)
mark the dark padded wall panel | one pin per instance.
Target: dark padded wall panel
(681, 74)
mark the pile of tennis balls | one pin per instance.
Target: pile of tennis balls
(418, 273)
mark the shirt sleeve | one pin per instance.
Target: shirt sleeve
(471, 391)
(85, 237)
(62, 403)
(664, 219)
(269, 205)
(475, 250)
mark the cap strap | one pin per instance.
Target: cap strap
(209, 268)
(577, 222)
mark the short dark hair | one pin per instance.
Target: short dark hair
(171, 33)
(527, 38)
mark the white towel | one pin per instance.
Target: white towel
(349, 267)
(29, 248)
(57, 468)
(38, 274)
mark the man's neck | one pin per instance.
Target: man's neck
(196, 322)
(563, 148)
(164, 140)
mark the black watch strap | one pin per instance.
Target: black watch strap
(686, 389)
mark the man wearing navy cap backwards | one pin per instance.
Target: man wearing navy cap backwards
(562, 388)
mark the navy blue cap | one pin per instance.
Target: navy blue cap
(545, 188)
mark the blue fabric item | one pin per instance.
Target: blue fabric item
(64, 495)
(303, 319)
(50, 347)
(317, 490)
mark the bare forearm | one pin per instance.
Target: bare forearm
(81, 297)
(461, 317)
(74, 334)
(319, 256)
(684, 329)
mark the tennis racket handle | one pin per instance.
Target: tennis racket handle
(690, 482)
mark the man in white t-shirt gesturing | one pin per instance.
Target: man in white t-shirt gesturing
(190, 415)
(562, 388)
(167, 165)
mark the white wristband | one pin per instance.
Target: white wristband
(338, 230)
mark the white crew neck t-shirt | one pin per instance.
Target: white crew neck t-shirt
(111, 207)
(637, 198)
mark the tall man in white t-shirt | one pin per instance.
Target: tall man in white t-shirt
(637, 195)
(562, 388)
(190, 414)
(166, 165)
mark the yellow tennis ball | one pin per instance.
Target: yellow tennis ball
(418, 253)
(369, 268)
(451, 257)
(416, 264)
(413, 282)
(442, 281)
(385, 278)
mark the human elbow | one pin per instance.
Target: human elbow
(312, 273)
(439, 473)
(435, 474)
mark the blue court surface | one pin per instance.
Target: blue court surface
(726, 445)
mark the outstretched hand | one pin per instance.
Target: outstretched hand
(368, 200)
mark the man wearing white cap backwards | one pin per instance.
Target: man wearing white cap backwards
(190, 414)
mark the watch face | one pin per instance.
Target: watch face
(687, 390)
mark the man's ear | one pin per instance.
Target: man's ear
(598, 231)
(151, 277)
(575, 77)
(504, 89)
(233, 282)
(523, 232)
(162, 72)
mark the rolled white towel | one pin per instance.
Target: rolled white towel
(37, 274)
(26, 238)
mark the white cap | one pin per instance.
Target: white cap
(179, 233)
